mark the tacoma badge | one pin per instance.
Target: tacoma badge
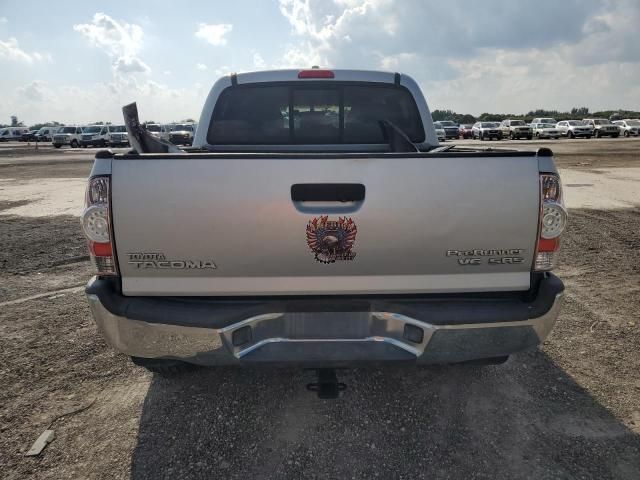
(159, 261)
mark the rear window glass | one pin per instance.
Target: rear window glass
(277, 114)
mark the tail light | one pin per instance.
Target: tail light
(553, 219)
(315, 73)
(96, 224)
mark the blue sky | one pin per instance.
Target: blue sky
(81, 61)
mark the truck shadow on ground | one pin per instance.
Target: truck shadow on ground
(524, 419)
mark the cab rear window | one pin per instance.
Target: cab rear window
(312, 114)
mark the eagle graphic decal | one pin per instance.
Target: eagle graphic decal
(331, 240)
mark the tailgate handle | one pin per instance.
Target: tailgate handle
(327, 192)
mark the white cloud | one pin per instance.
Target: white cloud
(223, 70)
(201, 66)
(214, 33)
(130, 65)
(35, 91)
(394, 62)
(535, 54)
(304, 55)
(39, 101)
(120, 41)
(258, 61)
(10, 50)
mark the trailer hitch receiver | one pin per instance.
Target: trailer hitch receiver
(327, 386)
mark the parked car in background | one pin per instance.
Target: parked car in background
(94, 136)
(602, 127)
(160, 131)
(544, 120)
(440, 133)
(12, 134)
(515, 129)
(29, 136)
(45, 134)
(117, 136)
(487, 131)
(574, 129)
(450, 128)
(546, 130)
(68, 135)
(465, 131)
(181, 134)
(628, 127)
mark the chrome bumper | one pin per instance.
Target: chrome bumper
(318, 338)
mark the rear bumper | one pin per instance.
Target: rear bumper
(332, 331)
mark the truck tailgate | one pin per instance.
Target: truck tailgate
(226, 225)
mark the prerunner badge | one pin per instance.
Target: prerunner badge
(331, 240)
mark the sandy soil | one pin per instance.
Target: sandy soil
(570, 409)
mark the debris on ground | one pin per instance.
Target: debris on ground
(39, 445)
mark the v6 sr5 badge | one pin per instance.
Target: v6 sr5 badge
(332, 240)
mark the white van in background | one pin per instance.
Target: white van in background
(45, 134)
(159, 131)
(12, 134)
(117, 136)
(67, 135)
(94, 136)
(182, 134)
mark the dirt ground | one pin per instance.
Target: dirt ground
(570, 409)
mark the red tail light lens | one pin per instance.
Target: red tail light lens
(315, 73)
(553, 220)
(96, 224)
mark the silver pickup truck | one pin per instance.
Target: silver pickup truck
(316, 221)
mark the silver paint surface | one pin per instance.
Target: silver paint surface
(239, 213)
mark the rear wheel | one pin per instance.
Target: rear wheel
(626, 133)
(166, 368)
(74, 143)
(57, 145)
(570, 134)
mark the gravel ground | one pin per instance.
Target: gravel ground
(570, 409)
